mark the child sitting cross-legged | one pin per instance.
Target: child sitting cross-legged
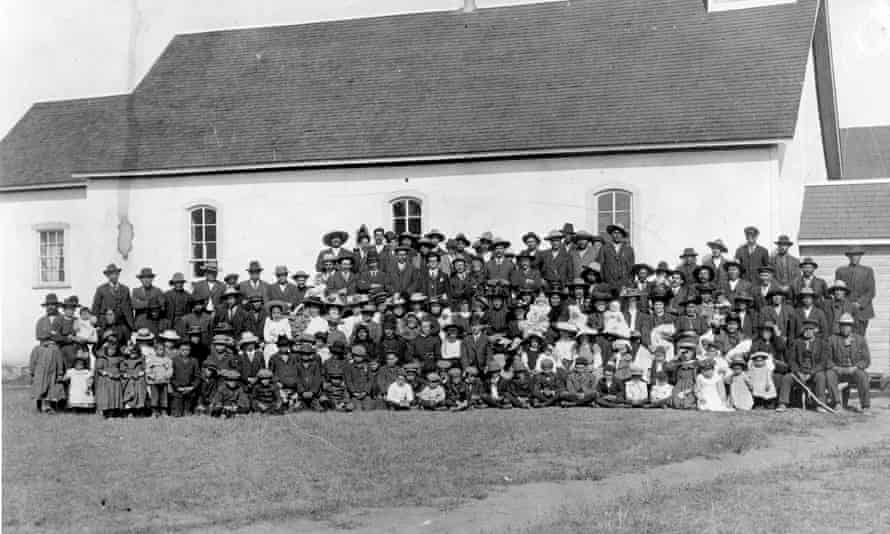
(580, 386)
(265, 395)
(432, 394)
(660, 393)
(546, 385)
(763, 388)
(229, 399)
(636, 392)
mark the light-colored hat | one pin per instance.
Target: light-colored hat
(846, 318)
(248, 337)
(169, 335)
(143, 334)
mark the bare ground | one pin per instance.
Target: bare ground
(519, 507)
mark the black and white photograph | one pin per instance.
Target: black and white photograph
(445, 266)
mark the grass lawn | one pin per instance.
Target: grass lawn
(138, 474)
(846, 492)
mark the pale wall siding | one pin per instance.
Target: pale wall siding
(878, 258)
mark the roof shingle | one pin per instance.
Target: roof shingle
(866, 152)
(846, 211)
(580, 74)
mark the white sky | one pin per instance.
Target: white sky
(55, 49)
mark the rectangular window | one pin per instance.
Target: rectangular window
(203, 231)
(52, 256)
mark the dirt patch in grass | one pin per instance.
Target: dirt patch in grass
(168, 474)
(845, 492)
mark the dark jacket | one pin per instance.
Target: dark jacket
(201, 289)
(117, 299)
(405, 281)
(289, 294)
(434, 284)
(556, 269)
(141, 298)
(475, 352)
(346, 283)
(616, 265)
(861, 283)
(286, 371)
(309, 377)
(810, 359)
(176, 305)
(249, 289)
(856, 354)
(751, 261)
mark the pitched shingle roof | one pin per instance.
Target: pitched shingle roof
(846, 211)
(55, 138)
(550, 76)
(866, 152)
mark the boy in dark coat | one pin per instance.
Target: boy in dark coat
(229, 399)
(546, 386)
(426, 348)
(308, 378)
(809, 360)
(359, 379)
(185, 381)
(265, 395)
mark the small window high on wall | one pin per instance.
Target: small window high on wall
(407, 215)
(614, 206)
(52, 256)
(203, 231)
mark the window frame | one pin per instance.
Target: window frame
(192, 261)
(38, 281)
(631, 209)
(406, 198)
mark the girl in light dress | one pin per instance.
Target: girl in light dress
(710, 390)
(276, 325)
(80, 384)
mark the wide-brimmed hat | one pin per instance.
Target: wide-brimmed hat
(111, 268)
(635, 268)
(718, 244)
(778, 290)
(846, 318)
(71, 302)
(143, 334)
(630, 293)
(231, 276)
(663, 267)
(280, 303)
(145, 272)
(759, 355)
(707, 287)
(743, 297)
(500, 242)
(223, 339)
(838, 285)
(169, 335)
(554, 235)
(281, 269)
(254, 267)
(435, 233)
(300, 274)
(195, 330)
(752, 230)
(247, 338)
(855, 251)
(460, 237)
(809, 261)
(617, 227)
(688, 251)
(586, 331)
(578, 282)
(583, 235)
(210, 267)
(177, 278)
(784, 240)
(231, 292)
(806, 292)
(568, 228)
(766, 269)
(230, 374)
(530, 235)
(565, 326)
(328, 237)
(732, 263)
(417, 298)
(264, 373)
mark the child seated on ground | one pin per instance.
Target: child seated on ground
(80, 385)
(546, 386)
(456, 391)
(265, 395)
(335, 395)
(580, 386)
(400, 395)
(475, 387)
(432, 395)
(660, 394)
(521, 385)
(763, 388)
(209, 385)
(229, 399)
(609, 392)
(709, 390)
(739, 385)
(636, 392)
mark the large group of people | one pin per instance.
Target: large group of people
(401, 321)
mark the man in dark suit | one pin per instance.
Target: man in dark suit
(334, 241)
(282, 289)
(778, 311)
(635, 314)
(556, 264)
(734, 283)
(808, 311)
(784, 264)
(146, 292)
(404, 278)
(617, 258)
(177, 301)
(765, 285)
(751, 256)
(254, 316)
(860, 281)
(837, 306)
(475, 347)
(688, 264)
(209, 289)
(372, 276)
(253, 285)
(498, 267)
(300, 278)
(113, 295)
(433, 282)
(583, 253)
(231, 312)
(344, 281)
(807, 278)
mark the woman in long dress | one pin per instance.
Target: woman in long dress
(107, 383)
(47, 370)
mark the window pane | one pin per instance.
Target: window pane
(61, 269)
(398, 225)
(211, 251)
(197, 216)
(197, 233)
(414, 226)
(209, 216)
(398, 208)
(623, 219)
(197, 269)
(414, 208)
(604, 203)
(210, 233)
(622, 201)
(604, 220)
(198, 252)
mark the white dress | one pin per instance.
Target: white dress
(711, 394)
(80, 391)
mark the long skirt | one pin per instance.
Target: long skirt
(134, 393)
(109, 393)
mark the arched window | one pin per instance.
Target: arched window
(614, 206)
(407, 215)
(203, 232)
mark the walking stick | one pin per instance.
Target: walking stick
(812, 395)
